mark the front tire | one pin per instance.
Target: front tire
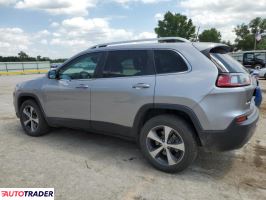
(32, 119)
(168, 143)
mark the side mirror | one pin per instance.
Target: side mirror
(52, 74)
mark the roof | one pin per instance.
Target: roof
(204, 47)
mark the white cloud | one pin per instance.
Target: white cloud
(7, 2)
(145, 35)
(79, 33)
(13, 40)
(223, 14)
(44, 41)
(93, 31)
(158, 16)
(70, 37)
(54, 24)
(142, 1)
(69, 7)
(57, 7)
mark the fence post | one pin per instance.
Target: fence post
(23, 66)
(6, 67)
(38, 67)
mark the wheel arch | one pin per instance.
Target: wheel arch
(148, 111)
(28, 96)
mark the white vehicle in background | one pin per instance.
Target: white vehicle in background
(262, 73)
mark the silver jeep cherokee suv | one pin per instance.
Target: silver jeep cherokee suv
(171, 95)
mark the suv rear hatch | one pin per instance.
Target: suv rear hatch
(231, 74)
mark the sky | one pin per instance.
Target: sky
(62, 28)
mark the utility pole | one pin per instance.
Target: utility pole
(197, 36)
(261, 35)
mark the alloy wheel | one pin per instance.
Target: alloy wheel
(30, 118)
(165, 145)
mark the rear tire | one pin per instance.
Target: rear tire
(258, 66)
(32, 119)
(168, 143)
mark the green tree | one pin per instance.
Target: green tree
(261, 45)
(23, 56)
(210, 35)
(257, 25)
(244, 39)
(245, 33)
(175, 25)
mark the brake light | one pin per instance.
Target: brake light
(233, 80)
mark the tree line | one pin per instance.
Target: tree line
(178, 25)
(23, 57)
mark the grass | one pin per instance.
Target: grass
(34, 71)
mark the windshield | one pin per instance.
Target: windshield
(229, 63)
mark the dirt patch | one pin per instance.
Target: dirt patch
(263, 106)
(260, 151)
(139, 198)
(258, 184)
(7, 118)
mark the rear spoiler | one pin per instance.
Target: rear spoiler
(206, 47)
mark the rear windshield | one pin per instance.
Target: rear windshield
(229, 63)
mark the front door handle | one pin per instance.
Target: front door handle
(82, 86)
(141, 86)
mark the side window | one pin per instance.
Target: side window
(126, 63)
(167, 61)
(260, 55)
(249, 57)
(82, 67)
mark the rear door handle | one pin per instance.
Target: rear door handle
(141, 86)
(82, 86)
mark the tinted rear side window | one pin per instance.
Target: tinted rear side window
(229, 63)
(125, 63)
(168, 61)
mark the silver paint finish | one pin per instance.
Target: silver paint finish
(117, 100)
(67, 99)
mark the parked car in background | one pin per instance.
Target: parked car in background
(170, 95)
(262, 73)
(55, 65)
(251, 59)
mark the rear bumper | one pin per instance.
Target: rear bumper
(234, 137)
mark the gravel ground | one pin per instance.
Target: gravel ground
(82, 165)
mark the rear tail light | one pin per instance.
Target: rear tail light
(241, 119)
(233, 80)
